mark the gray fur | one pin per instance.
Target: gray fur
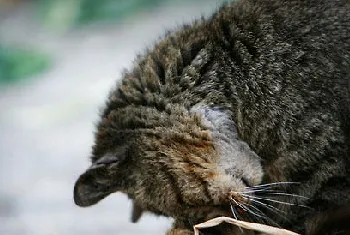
(236, 157)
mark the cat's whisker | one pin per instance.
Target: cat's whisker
(253, 213)
(248, 197)
(235, 215)
(233, 210)
(260, 215)
(244, 208)
(259, 190)
(257, 213)
(257, 209)
(247, 215)
(280, 213)
(238, 204)
(287, 194)
(264, 216)
(280, 202)
(276, 210)
(267, 206)
(254, 191)
(274, 192)
(274, 184)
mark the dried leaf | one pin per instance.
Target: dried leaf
(269, 230)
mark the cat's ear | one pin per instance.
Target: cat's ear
(97, 182)
(136, 212)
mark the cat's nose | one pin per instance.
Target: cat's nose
(246, 182)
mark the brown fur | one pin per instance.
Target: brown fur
(258, 93)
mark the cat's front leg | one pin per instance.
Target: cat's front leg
(179, 228)
(179, 231)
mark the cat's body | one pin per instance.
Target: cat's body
(259, 93)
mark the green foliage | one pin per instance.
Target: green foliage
(92, 10)
(18, 63)
(64, 14)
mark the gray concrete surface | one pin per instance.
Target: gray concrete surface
(46, 123)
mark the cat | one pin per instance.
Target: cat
(245, 114)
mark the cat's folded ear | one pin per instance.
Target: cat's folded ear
(136, 212)
(97, 182)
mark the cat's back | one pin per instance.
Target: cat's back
(289, 60)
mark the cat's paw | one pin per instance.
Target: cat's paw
(179, 231)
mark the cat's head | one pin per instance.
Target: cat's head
(170, 161)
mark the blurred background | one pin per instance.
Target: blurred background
(58, 60)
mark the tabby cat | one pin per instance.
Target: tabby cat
(245, 114)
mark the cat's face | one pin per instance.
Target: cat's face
(183, 162)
